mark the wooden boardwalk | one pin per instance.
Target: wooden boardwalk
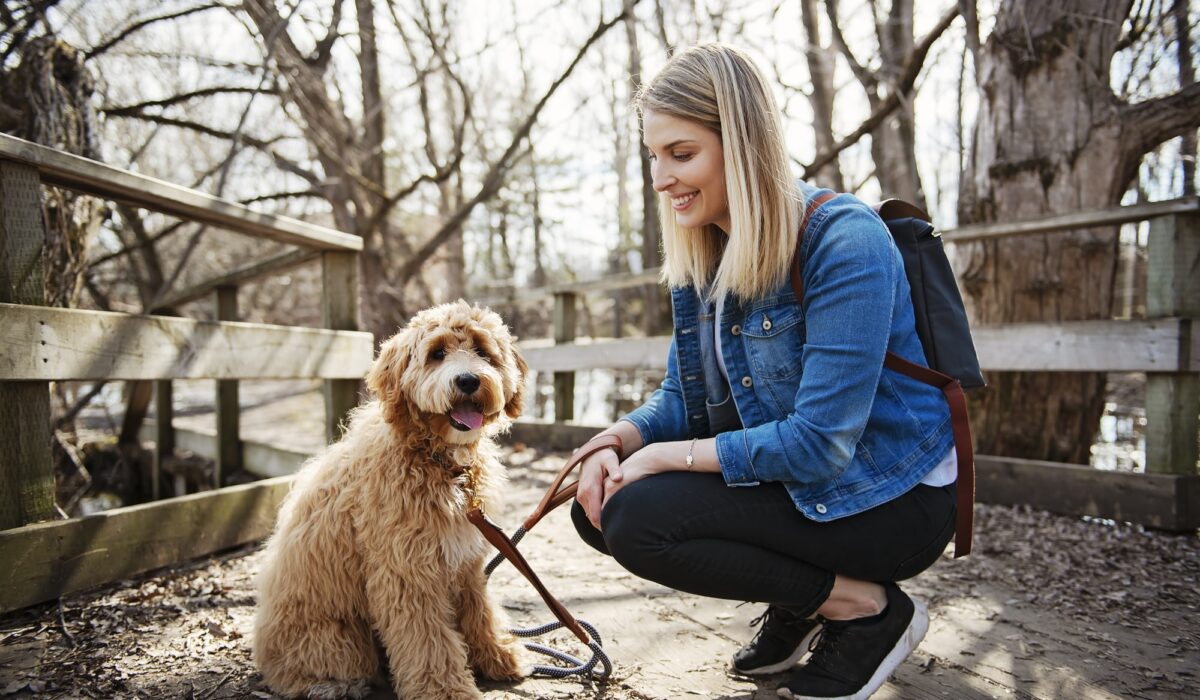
(1047, 607)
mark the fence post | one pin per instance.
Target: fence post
(229, 437)
(339, 311)
(1173, 398)
(26, 468)
(164, 435)
(564, 332)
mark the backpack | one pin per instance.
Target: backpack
(941, 320)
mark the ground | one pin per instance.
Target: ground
(1046, 607)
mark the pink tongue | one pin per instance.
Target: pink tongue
(470, 418)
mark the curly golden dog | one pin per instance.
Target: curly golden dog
(372, 544)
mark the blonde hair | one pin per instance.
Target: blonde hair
(719, 87)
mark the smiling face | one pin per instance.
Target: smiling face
(688, 166)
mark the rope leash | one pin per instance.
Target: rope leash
(574, 666)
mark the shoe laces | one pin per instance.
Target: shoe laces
(824, 644)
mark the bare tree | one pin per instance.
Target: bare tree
(1032, 157)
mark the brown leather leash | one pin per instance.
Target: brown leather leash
(556, 495)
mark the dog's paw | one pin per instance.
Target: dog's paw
(502, 663)
(340, 690)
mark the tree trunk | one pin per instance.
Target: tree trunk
(1047, 137)
(820, 70)
(893, 142)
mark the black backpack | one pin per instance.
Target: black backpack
(942, 327)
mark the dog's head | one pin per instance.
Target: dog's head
(453, 371)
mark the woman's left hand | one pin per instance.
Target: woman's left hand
(651, 459)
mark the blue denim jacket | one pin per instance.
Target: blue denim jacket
(820, 412)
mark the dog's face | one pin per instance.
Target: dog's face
(454, 370)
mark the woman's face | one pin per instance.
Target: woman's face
(688, 166)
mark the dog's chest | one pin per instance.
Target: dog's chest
(461, 544)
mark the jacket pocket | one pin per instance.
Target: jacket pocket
(774, 339)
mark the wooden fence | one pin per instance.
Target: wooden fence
(1165, 345)
(43, 557)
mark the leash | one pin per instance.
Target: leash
(556, 495)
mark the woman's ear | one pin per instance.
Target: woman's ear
(516, 404)
(384, 377)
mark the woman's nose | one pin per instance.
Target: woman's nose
(660, 178)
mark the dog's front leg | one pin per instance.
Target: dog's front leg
(415, 619)
(491, 648)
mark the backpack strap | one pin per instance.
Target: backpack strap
(951, 388)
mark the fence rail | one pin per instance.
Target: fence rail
(1166, 346)
(43, 344)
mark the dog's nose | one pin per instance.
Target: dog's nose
(467, 383)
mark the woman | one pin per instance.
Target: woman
(843, 471)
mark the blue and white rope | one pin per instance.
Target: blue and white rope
(574, 666)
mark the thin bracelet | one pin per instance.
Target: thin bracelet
(691, 459)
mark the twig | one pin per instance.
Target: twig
(62, 624)
(214, 689)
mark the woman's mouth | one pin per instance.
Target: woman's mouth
(683, 202)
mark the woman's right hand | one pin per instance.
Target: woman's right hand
(592, 473)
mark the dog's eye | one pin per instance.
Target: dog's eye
(483, 353)
(438, 355)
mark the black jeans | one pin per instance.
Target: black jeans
(693, 533)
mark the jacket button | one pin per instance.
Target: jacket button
(821, 508)
(766, 323)
(736, 330)
(747, 382)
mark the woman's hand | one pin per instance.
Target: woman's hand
(593, 474)
(651, 459)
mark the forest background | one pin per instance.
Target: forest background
(480, 146)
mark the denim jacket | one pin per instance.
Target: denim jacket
(819, 411)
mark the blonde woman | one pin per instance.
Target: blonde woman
(778, 462)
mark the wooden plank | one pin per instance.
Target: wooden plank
(1083, 346)
(228, 412)
(1165, 501)
(632, 353)
(339, 311)
(271, 266)
(1073, 221)
(562, 437)
(26, 467)
(608, 283)
(84, 175)
(1159, 345)
(565, 308)
(47, 560)
(41, 343)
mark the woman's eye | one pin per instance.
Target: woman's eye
(438, 355)
(683, 157)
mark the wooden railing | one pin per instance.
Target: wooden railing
(1165, 345)
(45, 558)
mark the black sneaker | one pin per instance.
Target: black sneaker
(852, 659)
(782, 641)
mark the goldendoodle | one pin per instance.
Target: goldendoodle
(373, 542)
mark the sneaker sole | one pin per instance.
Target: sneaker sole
(917, 627)
(800, 653)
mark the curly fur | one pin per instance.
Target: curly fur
(372, 545)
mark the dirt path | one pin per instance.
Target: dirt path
(1047, 607)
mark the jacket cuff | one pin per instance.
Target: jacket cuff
(733, 454)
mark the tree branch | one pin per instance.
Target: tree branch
(495, 175)
(865, 77)
(256, 143)
(136, 26)
(130, 110)
(1143, 126)
(903, 89)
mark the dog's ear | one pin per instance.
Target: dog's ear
(516, 404)
(384, 377)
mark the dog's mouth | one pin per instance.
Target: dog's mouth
(465, 417)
